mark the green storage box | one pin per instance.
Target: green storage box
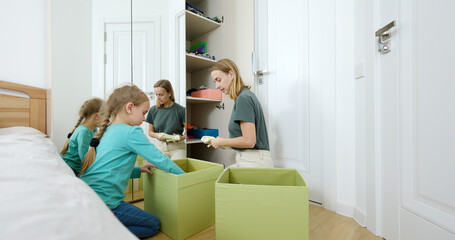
(136, 184)
(261, 203)
(185, 204)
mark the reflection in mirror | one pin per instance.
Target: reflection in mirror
(156, 57)
(111, 46)
(141, 52)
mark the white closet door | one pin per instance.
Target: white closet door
(418, 102)
(146, 47)
(290, 93)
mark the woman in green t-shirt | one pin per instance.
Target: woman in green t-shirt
(247, 129)
(166, 122)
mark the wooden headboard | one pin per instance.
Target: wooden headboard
(20, 111)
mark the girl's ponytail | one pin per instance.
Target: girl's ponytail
(65, 147)
(87, 109)
(91, 154)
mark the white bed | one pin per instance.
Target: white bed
(40, 196)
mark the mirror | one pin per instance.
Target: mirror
(142, 53)
(91, 52)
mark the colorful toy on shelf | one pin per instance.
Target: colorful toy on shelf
(199, 47)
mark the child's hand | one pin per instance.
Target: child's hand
(146, 166)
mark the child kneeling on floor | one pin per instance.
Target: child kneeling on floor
(108, 168)
(73, 153)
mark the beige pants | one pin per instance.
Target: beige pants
(253, 158)
(172, 150)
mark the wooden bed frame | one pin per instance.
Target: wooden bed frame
(20, 111)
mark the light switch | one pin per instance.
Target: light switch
(360, 70)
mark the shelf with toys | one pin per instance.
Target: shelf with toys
(197, 25)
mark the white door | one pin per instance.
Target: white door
(146, 57)
(418, 102)
(290, 92)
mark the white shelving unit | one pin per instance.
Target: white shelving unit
(233, 39)
(197, 25)
(195, 63)
(193, 141)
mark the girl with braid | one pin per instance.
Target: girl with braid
(78, 140)
(109, 163)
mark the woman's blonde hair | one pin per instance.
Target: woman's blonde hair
(226, 65)
(87, 109)
(163, 83)
(116, 102)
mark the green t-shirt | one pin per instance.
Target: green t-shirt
(247, 108)
(78, 146)
(167, 120)
(115, 158)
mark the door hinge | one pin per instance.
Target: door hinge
(105, 36)
(105, 59)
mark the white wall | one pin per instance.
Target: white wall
(24, 41)
(71, 64)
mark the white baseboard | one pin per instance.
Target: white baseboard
(360, 217)
(345, 210)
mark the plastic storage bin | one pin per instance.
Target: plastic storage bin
(207, 93)
(261, 203)
(185, 204)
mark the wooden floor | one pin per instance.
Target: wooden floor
(324, 225)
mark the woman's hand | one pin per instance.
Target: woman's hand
(216, 142)
(146, 166)
(161, 137)
(180, 136)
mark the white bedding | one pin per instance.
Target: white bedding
(42, 199)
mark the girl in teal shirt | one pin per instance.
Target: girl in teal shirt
(108, 169)
(77, 145)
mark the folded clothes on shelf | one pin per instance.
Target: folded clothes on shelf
(190, 7)
(216, 19)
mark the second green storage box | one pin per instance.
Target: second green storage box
(261, 203)
(185, 204)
